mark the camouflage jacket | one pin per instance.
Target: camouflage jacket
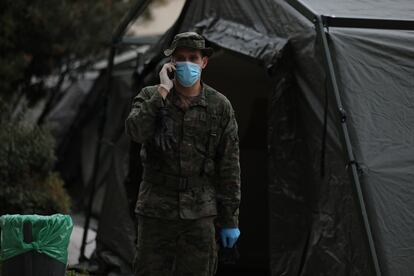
(206, 145)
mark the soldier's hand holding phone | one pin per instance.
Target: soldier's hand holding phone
(166, 76)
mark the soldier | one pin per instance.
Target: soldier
(190, 156)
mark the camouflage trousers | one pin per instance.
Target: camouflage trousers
(175, 247)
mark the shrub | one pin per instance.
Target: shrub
(27, 182)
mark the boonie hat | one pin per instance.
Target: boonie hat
(189, 40)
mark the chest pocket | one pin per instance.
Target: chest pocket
(204, 128)
(197, 125)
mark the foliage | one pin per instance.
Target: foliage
(29, 153)
(74, 273)
(27, 183)
(39, 36)
(45, 197)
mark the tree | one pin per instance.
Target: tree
(39, 37)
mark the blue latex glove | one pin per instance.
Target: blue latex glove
(229, 236)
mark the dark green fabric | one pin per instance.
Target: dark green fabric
(50, 235)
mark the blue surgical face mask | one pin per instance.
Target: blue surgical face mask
(187, 73)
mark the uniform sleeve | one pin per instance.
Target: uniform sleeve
(228, 171)
(140, 124)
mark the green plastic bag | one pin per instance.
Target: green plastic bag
(51, 235)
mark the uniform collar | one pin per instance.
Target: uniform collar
(200, 99)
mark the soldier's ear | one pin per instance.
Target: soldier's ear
(204, 62)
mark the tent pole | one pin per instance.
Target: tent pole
(367, 23)
(303, 9)
(352, 22)
(354, 170)
(320, 23)
(101, 127)
(135, 11)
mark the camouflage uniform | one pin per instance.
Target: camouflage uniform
(193, 182)
(193, 253)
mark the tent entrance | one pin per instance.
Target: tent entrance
(247, 85)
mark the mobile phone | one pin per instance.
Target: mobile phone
(171, 74)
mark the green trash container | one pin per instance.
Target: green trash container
(34, 245)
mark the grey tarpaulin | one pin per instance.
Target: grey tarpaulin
(377, 78)
(269, 57)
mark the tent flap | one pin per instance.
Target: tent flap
(242, 39)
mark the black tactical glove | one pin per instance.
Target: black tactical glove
(164, 129)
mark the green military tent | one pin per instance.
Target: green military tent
(323, 92)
